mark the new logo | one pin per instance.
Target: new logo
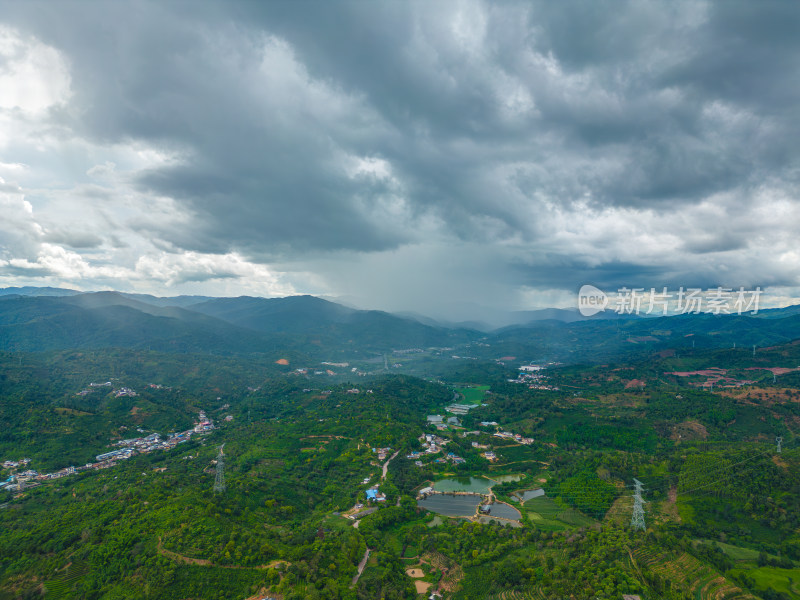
(591, 300)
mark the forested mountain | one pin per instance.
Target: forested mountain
(221, 325)
(321, 328)
(37, 291)
(34, 324)
(599, 340)
(308, 315)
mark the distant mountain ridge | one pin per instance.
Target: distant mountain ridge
(218, 325)
(34, 320)
(37, 291)
(106, 319)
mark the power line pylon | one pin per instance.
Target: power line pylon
(637, 520)
(219, 480)
(779, 441)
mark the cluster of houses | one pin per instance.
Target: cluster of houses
(488, 455)
(374, 495)
(532, 376)
(13, 464)
(19, 480)
(382, 452)
(125, 449)
(328, 371)
(508, 435)
(432, 444)
(452, 457)
(120, 393)
(205, 424)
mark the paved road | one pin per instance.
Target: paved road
(361, 566)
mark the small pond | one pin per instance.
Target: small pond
(504, 511)
(451, 506)
(525, 495)
(506, 478)
(477, 485)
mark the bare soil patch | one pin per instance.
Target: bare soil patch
(422, 586)
(688, 431)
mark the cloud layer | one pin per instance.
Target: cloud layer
(406, 155)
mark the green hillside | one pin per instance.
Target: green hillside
(304, 439)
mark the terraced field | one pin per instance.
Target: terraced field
(514, 595)
(547, 515)
(61, 586)
(691, 576)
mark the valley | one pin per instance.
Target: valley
(369, 472)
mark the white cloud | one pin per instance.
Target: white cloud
(185, 267)
(33, 75)
(101, 171)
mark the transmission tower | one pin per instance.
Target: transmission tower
(219, 481)
(779, 441)
(637, 521)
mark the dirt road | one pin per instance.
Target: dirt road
(361, 566)
(386, 465)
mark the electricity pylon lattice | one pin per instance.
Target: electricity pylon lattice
(637, 520)
(219, 480)
(779, 441)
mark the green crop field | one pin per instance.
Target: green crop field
(473, 394)
(547, 515)
(786, 581)
(737, 552)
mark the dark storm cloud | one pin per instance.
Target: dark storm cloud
(262, 171)
(300, 129)
(632, 57)
(564, 271)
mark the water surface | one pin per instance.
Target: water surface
(504, 511)
(477, 485)
(506, 478)
(525, 495)
(451, 506)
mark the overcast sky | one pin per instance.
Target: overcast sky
(400, 155)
